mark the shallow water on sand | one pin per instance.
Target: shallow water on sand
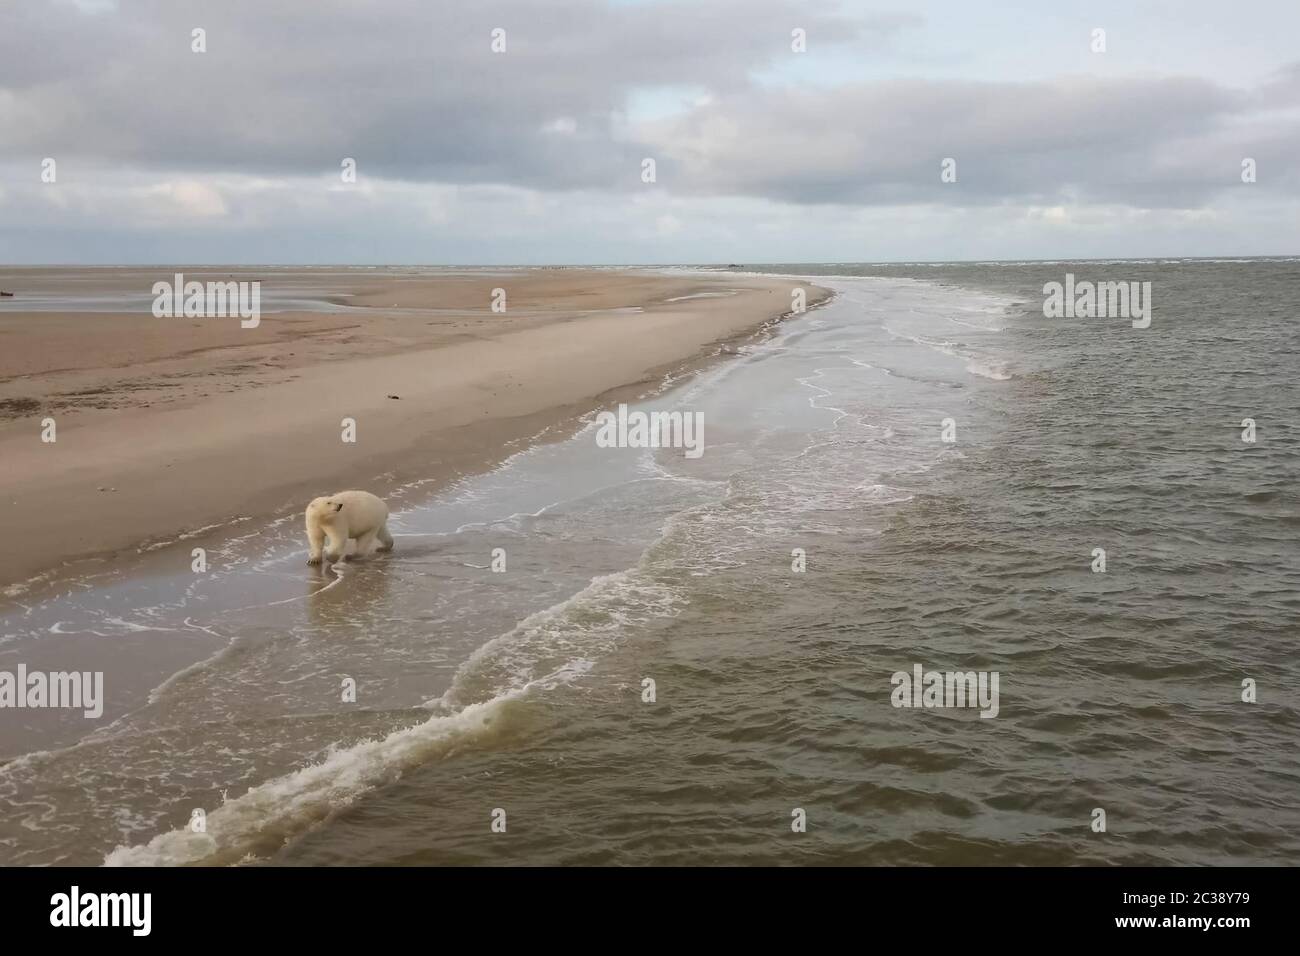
(522, 690)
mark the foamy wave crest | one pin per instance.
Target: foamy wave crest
(264, 817)
(885, 494)
(994, 370)
(976, 365)
(977, 326)
(574, 630)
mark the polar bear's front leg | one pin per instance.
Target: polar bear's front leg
(315, 541)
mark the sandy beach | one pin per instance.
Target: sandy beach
(166, 426)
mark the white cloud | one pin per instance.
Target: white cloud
(564, 125)
(193, 198)
(668, 225)
(92, 6)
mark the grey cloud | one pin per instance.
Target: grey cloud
(1144, 141)
(410, 89)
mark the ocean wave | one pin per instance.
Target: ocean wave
(577, 628)
(268, 814)
(979, 365)
(545, 650)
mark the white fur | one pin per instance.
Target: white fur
(348, 514)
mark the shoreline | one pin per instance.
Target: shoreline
(205, 431)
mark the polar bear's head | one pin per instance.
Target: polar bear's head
(325, 509)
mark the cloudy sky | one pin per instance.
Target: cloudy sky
(536, 154)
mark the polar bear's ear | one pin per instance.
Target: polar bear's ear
(339, 506)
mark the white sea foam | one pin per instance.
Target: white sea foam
(885, 494)
(189, 535)
(975, 364)
(979, 327)
(992, 370)
(162, 689)
(577, 627)
(702, 295)
(267, 814)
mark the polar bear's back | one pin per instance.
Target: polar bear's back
(362, 502)
(361, 512)
(364, 511)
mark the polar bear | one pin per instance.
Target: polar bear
(348, 514)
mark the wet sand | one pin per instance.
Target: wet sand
(169, 426)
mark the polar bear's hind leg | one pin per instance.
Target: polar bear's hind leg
(385, 539)
(365, 543)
